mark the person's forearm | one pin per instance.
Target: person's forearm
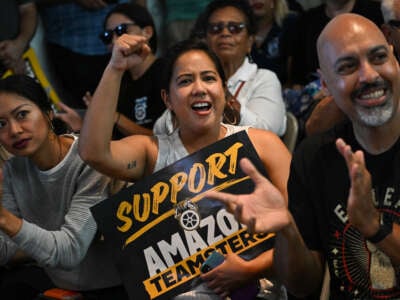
(261, 266)
(28, 23)
(9, 223)
(298, 268)
(391, 245)
(128, 127)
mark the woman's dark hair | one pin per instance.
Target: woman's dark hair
(138, 14)
(30, 89)
(181, 48)
(199, 29)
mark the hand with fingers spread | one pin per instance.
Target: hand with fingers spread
(360, 208)
(69, 116)
(264, 210)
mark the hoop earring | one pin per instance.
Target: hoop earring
(230, 116)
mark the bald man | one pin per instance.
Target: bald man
(344, 185)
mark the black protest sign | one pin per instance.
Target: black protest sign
(161, 229)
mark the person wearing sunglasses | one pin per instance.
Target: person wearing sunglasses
(255, 95)
(139, 102)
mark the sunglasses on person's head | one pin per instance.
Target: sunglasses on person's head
(233, 27)
(394, 23)
(107, 35)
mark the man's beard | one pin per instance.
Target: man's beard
(376, 116)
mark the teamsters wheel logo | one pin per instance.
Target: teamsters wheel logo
(187, 213)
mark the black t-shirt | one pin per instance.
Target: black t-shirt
(272, 53)
(140, 100)
(318, 189)
(307, 30)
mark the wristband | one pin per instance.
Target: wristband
(385, 228)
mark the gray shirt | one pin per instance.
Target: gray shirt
(58, 228)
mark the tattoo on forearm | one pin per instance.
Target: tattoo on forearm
(132, 164)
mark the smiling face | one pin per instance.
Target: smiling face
(360, 71)
(23, 126)
(229, 46)
(196, 93)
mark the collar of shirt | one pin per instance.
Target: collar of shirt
(246, 71)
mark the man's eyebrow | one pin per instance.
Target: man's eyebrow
(352, 56)
(342, 59)
(377, 48)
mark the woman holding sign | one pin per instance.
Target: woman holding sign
(45, 194)
(194, 91)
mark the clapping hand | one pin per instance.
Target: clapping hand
(69, 116)
(360, 208)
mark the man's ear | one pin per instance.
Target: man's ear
(148, 32)
(324, 86)
(387, 32)
(165, 97)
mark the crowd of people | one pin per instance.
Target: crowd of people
(129, 110)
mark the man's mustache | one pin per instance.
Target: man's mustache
(367, 86)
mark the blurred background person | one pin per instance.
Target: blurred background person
(304, 61)
(391, 27)
(76, 55)
(18, 21)
(175, 18)
(274, 22)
